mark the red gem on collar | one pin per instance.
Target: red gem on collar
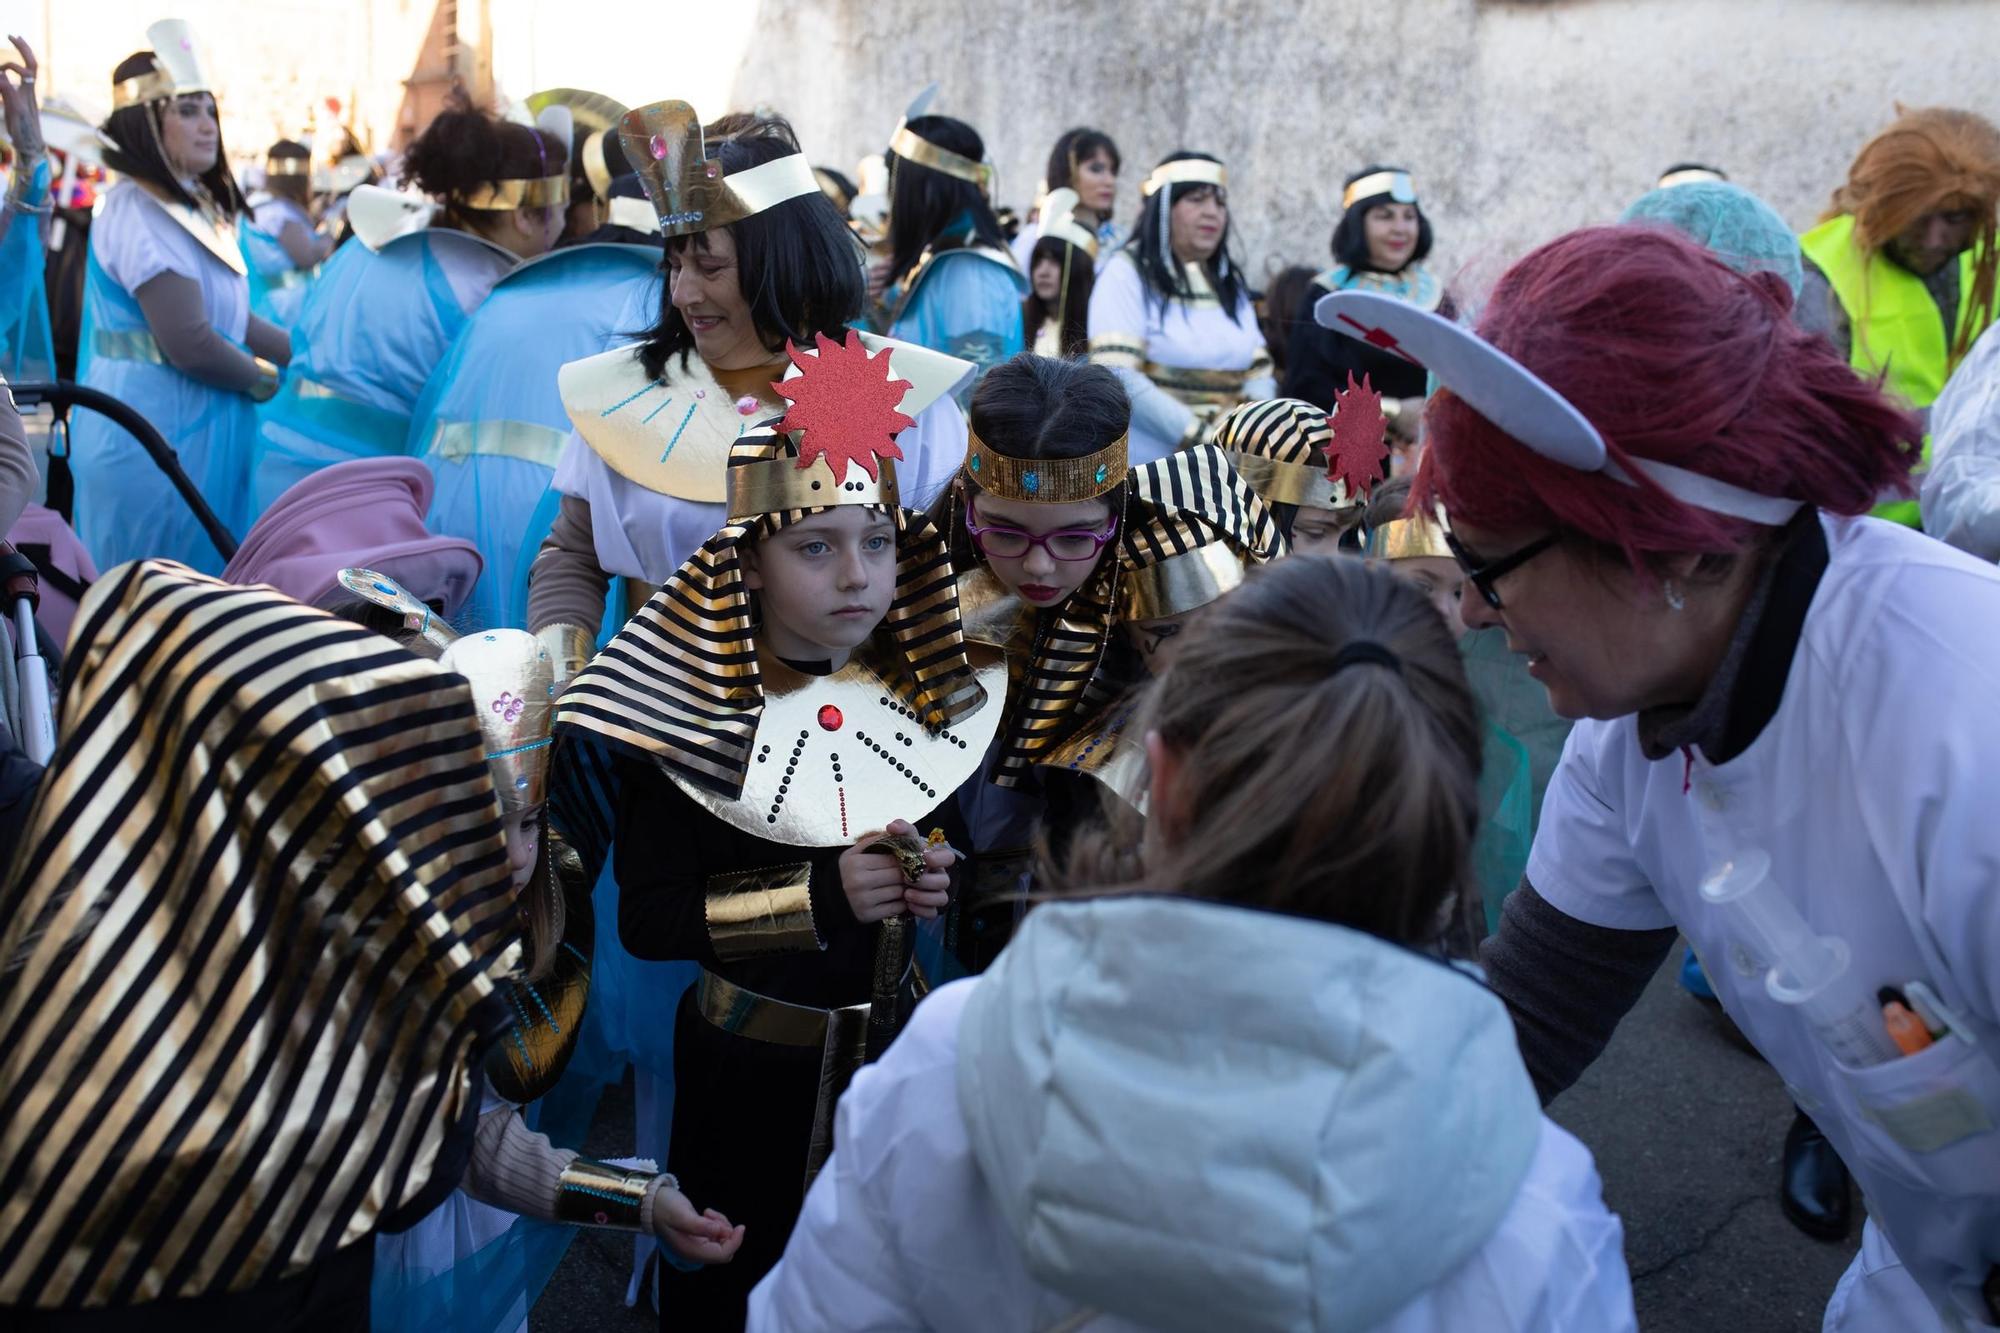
(829, 718)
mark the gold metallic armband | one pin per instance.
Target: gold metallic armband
(569, 648)
(266, 387)
(756, 912)
(593, 1194)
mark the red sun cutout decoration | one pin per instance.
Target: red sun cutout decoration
(1360, 437)
(845, 403)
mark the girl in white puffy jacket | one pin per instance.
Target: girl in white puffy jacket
(1227, 1082)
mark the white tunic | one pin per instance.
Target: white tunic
(1872, 790)
(1183, 335)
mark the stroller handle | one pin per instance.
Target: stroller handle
(62, 395)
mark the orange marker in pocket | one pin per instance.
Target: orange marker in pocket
(1905, 1028)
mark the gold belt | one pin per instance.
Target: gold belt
(761, 1018)
(128, 345)
(529, 441)
(1197, 381)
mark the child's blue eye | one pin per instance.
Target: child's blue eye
(879, 543)
(814, 548)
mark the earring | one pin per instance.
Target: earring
(1673, 595)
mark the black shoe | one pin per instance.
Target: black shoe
(1813, 1187)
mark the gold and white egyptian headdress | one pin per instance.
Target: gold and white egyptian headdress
(690, 191)
(179, 67)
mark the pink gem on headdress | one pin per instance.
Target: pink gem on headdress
(659, 147)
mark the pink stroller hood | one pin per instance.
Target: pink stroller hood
(367, 513)
(42, 536)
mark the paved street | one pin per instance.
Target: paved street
(1686, 1128)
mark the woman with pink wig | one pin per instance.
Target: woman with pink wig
(1788, 737)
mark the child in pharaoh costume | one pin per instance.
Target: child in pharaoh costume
(774, 735)
(255, 940)
(476, 1263)
(1192, 529)
(1032, 516)
(1314, 475)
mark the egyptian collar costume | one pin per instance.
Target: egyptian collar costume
(673, 435)
(179, 69)
(1193, 528)
(789, 757)
(1052, 654)
(268, 850)
(1290, 452)
(957, 242)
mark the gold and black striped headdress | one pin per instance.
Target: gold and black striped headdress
(1280, 446)
(1194, 526)
(249, 947)
(681, 684)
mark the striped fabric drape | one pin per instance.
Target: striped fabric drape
(1189, 499)
(248, 949)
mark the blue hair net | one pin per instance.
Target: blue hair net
(1740, 229)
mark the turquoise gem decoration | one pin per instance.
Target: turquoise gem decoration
(1102, 473)
(974, 465)
(1031, 482)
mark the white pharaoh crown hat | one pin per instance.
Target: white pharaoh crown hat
(1515, 399)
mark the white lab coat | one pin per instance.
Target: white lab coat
(1185, 1116)
(1961, 492)
(1872, 789)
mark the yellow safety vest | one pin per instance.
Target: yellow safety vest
(1898, 331)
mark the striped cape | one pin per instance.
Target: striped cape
(248, 949)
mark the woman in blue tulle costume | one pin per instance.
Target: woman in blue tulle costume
(167, 327)
(491, 425)
(382, 314)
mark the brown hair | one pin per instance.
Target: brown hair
(1344, 789)
(1930, 159)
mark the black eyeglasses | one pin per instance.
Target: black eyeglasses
(1483, 576)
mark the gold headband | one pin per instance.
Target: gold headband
(1046, 480)
(780, 484)
(1279, 482)
(1185, 171)
(153, 86)
(1395, 184)
(1409, 539)
(913, 147)
(287, 166)
(595, 169)
(1687, 176)
(504, 196)
(1180, 583)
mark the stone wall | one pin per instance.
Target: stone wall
(1520, 120)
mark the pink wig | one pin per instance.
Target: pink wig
(1676, 357)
